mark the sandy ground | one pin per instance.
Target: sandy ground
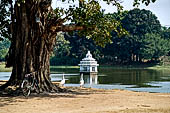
(87, 100)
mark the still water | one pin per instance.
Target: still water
(109, 78)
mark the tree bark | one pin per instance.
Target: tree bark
(32, 43)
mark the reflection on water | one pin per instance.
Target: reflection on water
(120, 76)
(131, 79)
(109, 78)
(93, 79)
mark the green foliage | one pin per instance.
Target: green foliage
(4, 46)
(155, 46)
(91, 17)
(146, 40)
(61, 52)
(119, 16)
(165, 33)
(146, 2)
(65, 60)
(3, 68)
(4, 19)
(87, 13)
(80, 46)
(61, 47)
(139, 22)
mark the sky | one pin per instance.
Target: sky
(161, 8)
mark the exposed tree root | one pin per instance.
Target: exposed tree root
(15, 90)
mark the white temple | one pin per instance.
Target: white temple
(88, 64)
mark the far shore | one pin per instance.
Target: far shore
(153, 67)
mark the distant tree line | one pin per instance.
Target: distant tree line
(146, 41)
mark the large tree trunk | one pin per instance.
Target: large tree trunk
(32, 43)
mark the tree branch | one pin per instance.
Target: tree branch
(66, 28)
(57, 22)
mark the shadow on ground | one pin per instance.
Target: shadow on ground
(8, 97)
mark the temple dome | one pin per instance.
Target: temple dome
(88, 57)
(88, 64)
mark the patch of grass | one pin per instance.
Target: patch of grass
(64, 66)
(153, 67)
(3, 69)
(158, 67)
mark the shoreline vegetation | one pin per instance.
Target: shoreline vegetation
(3, 68)
(140, 66)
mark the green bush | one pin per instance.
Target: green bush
(54, 61)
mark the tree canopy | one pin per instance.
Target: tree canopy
(141, 22)
(146, 40)
(88, 16)
(4, 19)
(138, 23)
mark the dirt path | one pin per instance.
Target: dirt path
(88, 101)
